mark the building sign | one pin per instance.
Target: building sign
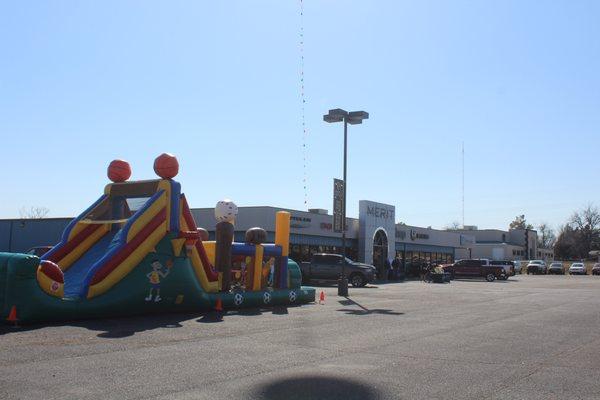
(338, 205)
(414, 235)
(299, 222)
(326, 226)
(380, 212)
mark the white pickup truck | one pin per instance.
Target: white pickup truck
(537, 267)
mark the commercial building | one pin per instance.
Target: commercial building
(372, 238)
(495, 244)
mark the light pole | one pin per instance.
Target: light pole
(352, 118)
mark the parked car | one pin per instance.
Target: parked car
(577, 268)
(328, 267)
(556, 268)
(518, 267)
(509, 267)
(596, 269)
(38, 250)
(475, 268)
(537, 267)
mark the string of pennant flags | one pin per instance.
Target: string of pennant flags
(303, 99)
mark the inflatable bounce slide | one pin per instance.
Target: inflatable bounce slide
(138, 250)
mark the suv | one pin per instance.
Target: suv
(509, 266)
(537, 267)
(476, 268)
(596, 269)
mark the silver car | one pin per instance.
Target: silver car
(577, 268)
(556, 268)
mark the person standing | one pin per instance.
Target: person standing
(388, 269)
(396, 267)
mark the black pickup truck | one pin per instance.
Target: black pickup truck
(328, 267)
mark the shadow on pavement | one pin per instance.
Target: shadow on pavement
(112, 328)
(121, 327)
(362, 310)
(116, 328)
(317, 387)
(280, 310)
(211, 317)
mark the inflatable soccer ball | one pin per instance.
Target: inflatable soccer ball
(226, 210)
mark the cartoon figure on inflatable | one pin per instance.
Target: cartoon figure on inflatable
(138, 250)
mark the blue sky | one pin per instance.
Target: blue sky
(218, 85)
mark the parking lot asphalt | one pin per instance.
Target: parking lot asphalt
(531, 337)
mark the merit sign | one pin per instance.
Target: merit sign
(338, 205)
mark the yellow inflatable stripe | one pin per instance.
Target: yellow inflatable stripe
(129, 263)
(84, 246)
(258, 259)
(282, 231)
(76, 229)
(165, 184)
(209, 247)
(147, 216)
(46, 284)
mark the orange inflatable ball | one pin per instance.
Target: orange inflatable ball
(166, 166)
(119, 171)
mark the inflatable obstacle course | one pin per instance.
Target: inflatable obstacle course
(138, 250)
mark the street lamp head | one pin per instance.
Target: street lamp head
(335, 115)
(356, 117)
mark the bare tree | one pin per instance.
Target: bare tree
(453, 226)
(546, 236)
(520, 223)
(33, 212)
(565, 247)
(586, 224)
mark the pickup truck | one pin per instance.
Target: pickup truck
(475, 268)
(328, 267)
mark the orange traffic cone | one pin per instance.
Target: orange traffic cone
(12, 315)
(322, 297)
(219, 305)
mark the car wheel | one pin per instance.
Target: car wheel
(357, 280)
(505, 278)
(490, 277)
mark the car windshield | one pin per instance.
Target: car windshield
(577, 265)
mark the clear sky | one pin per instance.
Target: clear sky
(218, 84)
